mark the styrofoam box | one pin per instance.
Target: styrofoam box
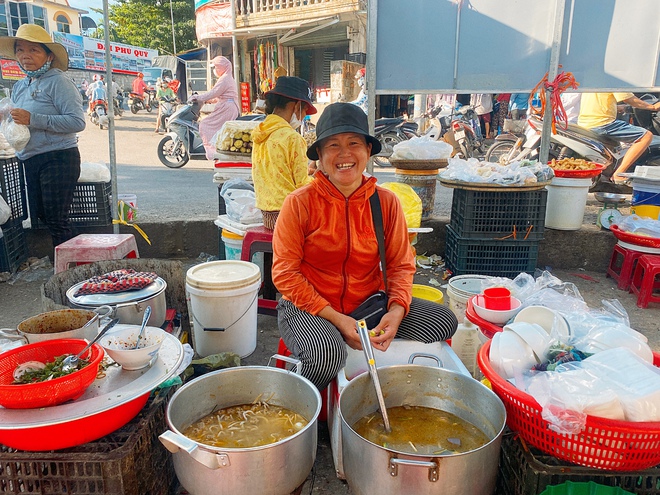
(398, 353)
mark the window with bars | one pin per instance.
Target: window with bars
(18, 14)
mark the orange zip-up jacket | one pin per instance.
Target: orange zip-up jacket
(325, 250)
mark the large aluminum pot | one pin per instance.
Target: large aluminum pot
(275, 469)
(370, 468)
(60, 324)
(129, 305)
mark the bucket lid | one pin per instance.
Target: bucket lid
(466, 285)
(93, 300)
(223, 274)
(230, 235)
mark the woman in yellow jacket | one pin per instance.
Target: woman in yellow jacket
(279, 160)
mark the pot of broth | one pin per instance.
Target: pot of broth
(445, 440)
(249, 429)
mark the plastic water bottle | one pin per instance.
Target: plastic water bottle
(466, 343)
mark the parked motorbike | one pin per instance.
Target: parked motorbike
(137, 102)
(465, 134)
(572, 142)
(99, 113)
(391, 132)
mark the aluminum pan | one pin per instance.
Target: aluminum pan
(116, 388)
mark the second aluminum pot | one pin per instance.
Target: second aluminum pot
(370, 468)
(274, 469)
(129, 305)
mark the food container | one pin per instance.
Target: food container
(273, 469)
(60, 324)
(370, 468)
(129, 305)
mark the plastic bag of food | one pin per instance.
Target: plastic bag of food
(17, 135)
(410, 202)
(240, 201)
(422, 148)
(235, 136)
(94, 172)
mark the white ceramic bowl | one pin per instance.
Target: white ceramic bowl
(119, 344)
(551, 321)
(511, 355)
(499, 317)
(534, 336)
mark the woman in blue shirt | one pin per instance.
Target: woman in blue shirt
(49, 103)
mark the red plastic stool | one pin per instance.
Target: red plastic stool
(645, 281)
(284, 351)
(260, 240)
(622, 266)
(87, 248)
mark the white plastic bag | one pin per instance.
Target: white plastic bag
(5, 211)
(17, 135)
(240, 201)
(422, 148)
(235, 136)
(94, 172)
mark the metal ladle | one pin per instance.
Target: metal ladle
(363, 332)
(71, 362)
(145, 318)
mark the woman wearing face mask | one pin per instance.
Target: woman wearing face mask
(279, 160)
(226, 107)
(49, 103)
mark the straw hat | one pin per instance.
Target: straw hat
(35, 34)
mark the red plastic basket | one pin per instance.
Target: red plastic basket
(580, 174)
(51, 392)
(631, 238)
(603, 444)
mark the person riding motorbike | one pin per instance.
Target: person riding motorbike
(164, 94)
(598, 113)
(361, 100)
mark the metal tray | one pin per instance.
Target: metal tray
(117, 387)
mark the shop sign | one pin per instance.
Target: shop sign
(11, 70)
(89, 53)
(245, 97)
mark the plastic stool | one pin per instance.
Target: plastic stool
(645, 281)
(284, 351)
(87, 248)
(622, 265)
(260, 240)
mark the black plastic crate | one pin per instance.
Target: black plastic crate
(525, 471)
(497, 258)
(491, 214)
(13, 246)
(129, 461)
(12, 187)
(91, 206)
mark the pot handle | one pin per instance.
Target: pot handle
(432, 467)
(415, 355)
(175, 443)
(296, 362)
(104, 311)
(13, 334)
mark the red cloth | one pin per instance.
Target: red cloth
(117, 281)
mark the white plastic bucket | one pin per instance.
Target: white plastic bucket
(567, 199)
(222, 298)
(233, 245)
(460, 289)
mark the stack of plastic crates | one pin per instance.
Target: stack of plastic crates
(527, 471)
(129, 461)
(495, 233)
(13, 246)
(91, 205)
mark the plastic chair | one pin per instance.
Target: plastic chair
(260, 240)
(87, 248)
(622, 265)
(645, 282)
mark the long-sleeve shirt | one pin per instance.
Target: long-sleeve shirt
(56, 112)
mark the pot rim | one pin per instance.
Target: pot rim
(139, 296)
(211, 448)
(495, 437)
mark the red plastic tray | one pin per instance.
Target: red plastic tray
(639, 240)
(580, 174)
(487, 328)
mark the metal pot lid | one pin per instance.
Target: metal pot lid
(113, 298)
(224, 274)
(116, 388)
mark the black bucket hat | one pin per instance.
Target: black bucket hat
(296, 89)
(339, 118)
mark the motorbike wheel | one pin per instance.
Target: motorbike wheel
(497, 150)
(134, 109)
(148, 108)
(170, 157)
(387, 141)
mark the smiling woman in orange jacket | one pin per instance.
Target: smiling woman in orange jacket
(326, 259)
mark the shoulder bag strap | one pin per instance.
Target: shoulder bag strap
(377, 215)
